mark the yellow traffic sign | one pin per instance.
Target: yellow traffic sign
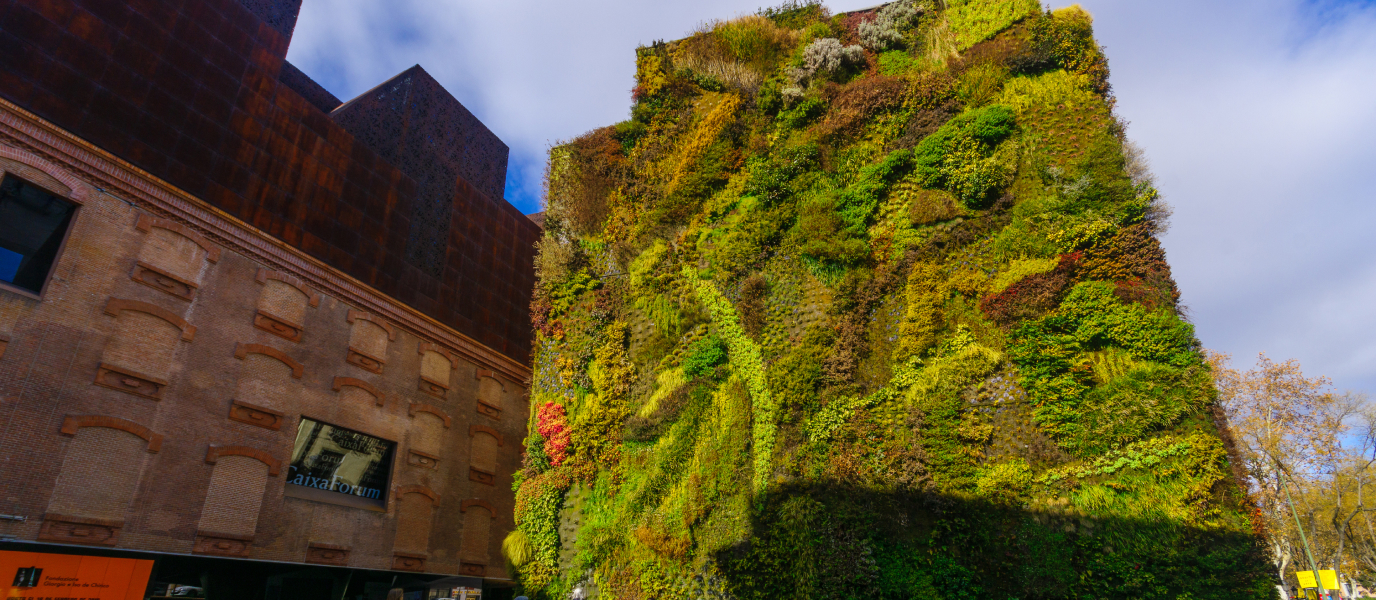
(1307, 580)
(1328, 577)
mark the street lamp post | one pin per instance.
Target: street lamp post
(1313, 568)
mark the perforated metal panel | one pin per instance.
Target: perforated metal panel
(278, 14)
(413, 123)
(199, 95)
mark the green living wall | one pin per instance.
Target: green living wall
(870, 306)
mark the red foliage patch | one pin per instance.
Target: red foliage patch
(1033, 295)
(553, 426)
(850, 24)
(1133, 258)
(855, 103)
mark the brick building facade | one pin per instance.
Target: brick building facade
(279, 334)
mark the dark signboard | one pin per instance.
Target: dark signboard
(342, 461)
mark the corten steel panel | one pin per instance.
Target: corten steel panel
(318, 96)
(278, 14)
(408, 201)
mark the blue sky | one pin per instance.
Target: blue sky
(1259, 117)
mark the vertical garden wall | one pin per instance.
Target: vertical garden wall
(870, 306)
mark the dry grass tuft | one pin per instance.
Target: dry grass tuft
(739, 53)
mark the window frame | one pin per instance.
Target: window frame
(301, 492)
(77, 205)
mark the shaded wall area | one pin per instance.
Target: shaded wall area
(198, 93)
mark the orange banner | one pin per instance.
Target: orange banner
(42, 576)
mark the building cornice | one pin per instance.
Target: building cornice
(111, 174)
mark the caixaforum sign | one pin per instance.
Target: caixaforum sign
(332, 483)
(44, 576)
(341, 460)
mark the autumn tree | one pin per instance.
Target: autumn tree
(1299, 440)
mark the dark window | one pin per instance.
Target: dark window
(343, 461)
(33, 223)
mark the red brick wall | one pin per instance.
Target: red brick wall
(171, 472)
(188, 90)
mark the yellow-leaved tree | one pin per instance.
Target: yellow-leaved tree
(1300, 440)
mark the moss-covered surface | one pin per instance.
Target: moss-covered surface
(822, 321)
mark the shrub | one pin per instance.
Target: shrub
(858, 102)
(659, 412)
(749, 366)
(1053, 366)
(1021, 268)
(771, 179)
(1046, 90)
(857, 202)
(752, 304)
(537, 515)
(536, 461)
(1032, 295)
(739, 53)
(795, 375)
(922, 319)
(827, 56)
(886, 28)
(959, 156)
(931, 206)
(824, 235)
(981, 84)
(517, 548)
(795, 14)
(564, 294)
(1147, 397)
(1134, 257)
(745, 239)
(802, 113)
(580, 178)
(703, 355)
(644, 276)
(832, 224)
(934, 98)
(1006, 482)
(895, 63)
(1065, 39)
(551, 424)
(650, 77)
(1101, 319)
(703, 161)
(977, 20)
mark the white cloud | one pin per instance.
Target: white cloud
(1259, 120)
(1258, 117)
(535, 71)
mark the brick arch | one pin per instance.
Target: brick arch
(148, 222)
(418, 489)
(243, 350)
(440, 350)
(71, 423)
(115, 305)
(490, 374)
(358, 315)
(340, 382)
(463, 506)
(476, 429)
(265, 274)
(79, 191)
(434, 410)
(213, 454)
